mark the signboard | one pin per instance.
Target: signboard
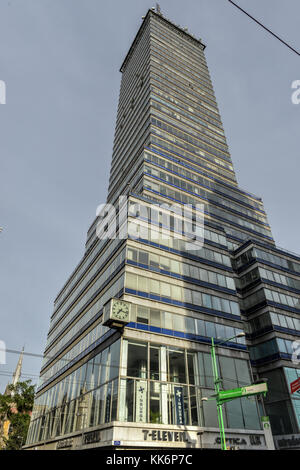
(64, 443)
(179, 405)
(254, 389)
(108, 404)
(141, 401)
(268, 432)
(166, 436)
(287, 441)
(295, 386)
(227, 395)
(91, 437)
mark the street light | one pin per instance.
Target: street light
(217, 381)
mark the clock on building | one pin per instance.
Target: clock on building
(116, 313)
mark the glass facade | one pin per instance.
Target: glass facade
(170, 153)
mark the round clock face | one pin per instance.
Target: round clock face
(120, 310)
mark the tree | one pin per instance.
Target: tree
(16, 406)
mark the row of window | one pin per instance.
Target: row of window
(282, 298)
(187, 52)
(154, 261)
(97, 371)
(166, 163)
(79, 347)
(178, 114)
(180, 294)
(191, 155)
(186, 99)
(147, 362)
(260, 273)
(153, 215)
(183, 246)
(89, 314)
(270, 348)
(89, 396)
(172, 130)
(254, 253)
(165, 141)
(280, 278)
(175, 322)
(285, 321)
(192, 112)
(285, 263)
(268, 319)
(208, 195)
(176, 73)
(195, 71)
(214, 212)
(112, 291)
(178, 121)
(78, 273)
(89, 410)
(110, 267)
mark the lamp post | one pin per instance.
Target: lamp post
(217, 382)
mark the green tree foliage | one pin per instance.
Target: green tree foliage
(15, 407)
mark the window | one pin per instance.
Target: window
(132, 254)
(165, 289)
(216, 303)
(137, 360)
(143, 257)
(207, 301)
(176, 293)
(142, 315)
(177, 372)
(154, 287)
(196, 298)
(131, 281)
(155, 317)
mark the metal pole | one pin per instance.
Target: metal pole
(217, 389)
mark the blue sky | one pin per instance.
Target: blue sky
(60, 61)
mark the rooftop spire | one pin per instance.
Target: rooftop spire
(18, 371)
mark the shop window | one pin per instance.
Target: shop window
(137, 360)
(177, 372)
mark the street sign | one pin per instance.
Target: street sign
(295, 385)
(254, 389)
(228, 395)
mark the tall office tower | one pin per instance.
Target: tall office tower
(127, 361)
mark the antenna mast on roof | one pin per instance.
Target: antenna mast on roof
(158, 10)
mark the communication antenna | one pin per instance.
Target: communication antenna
(158, 10)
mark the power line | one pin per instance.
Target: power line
(265, 28)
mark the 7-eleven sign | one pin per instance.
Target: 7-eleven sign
(295, 385)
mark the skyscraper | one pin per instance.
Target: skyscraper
(127, 361)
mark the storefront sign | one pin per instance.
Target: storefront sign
(91, 437)
(165, 436)
(255, 440)
(64, 443)
(141, 401)
(287, 441)
(179, 405)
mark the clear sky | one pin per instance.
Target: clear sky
(60, 61)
